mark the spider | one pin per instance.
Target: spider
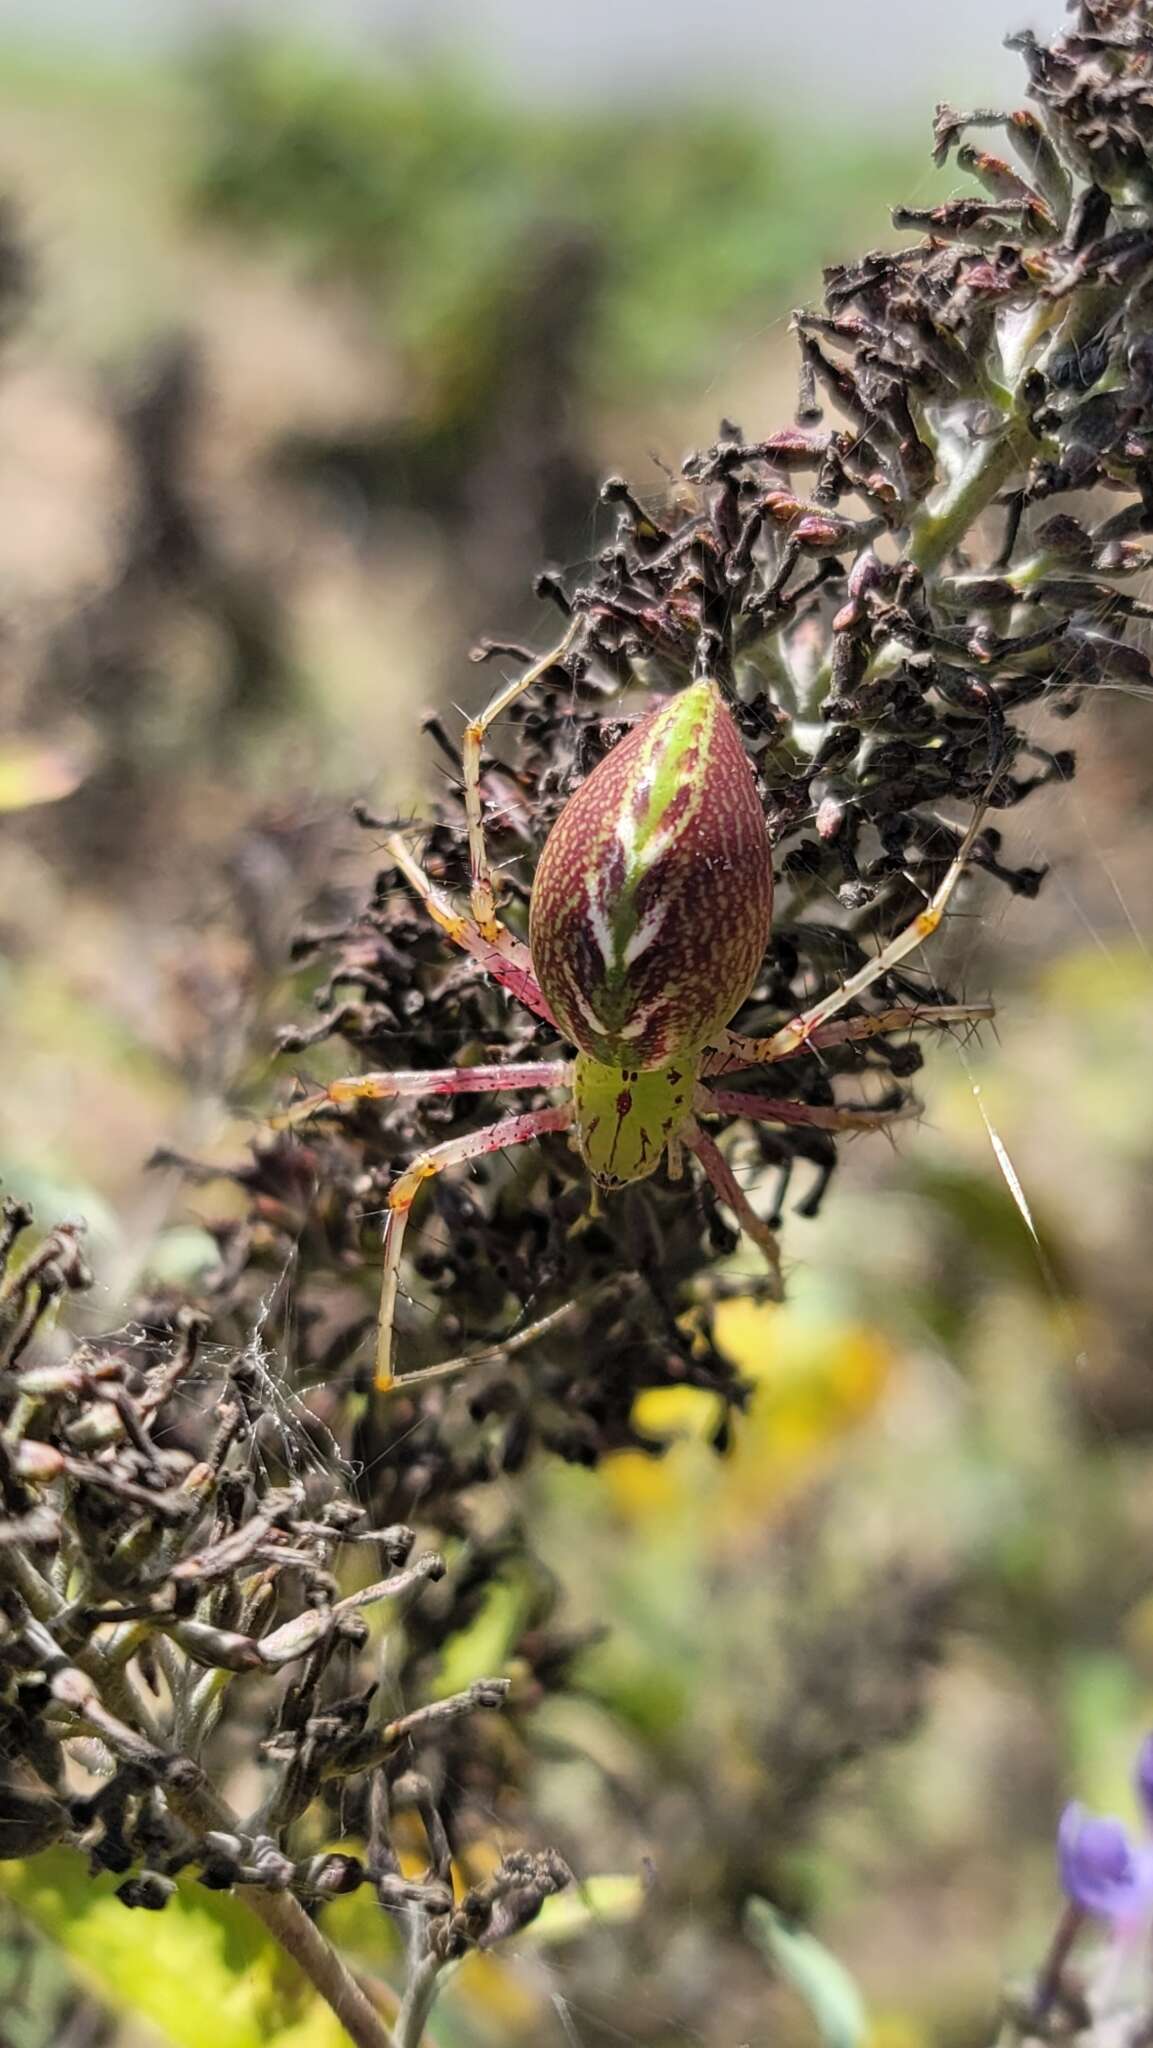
(650, 915)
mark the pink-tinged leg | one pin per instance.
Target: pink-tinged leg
(475, 734)
(734, 1197)
(727, 1102)
(732, 1053)
(420, 1081)
(511, 1130)
(506, 958)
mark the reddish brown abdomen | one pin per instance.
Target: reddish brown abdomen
(653, 897)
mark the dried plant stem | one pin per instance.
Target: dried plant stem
(419, 1999)
(1049, 1980)
(18, 1569)
(289, 1925)
(193, 1799)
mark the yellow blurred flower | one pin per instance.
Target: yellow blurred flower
(897, 2030)
(817, 1374)
(502, 2002)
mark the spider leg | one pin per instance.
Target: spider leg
(732, 1052)
(727, 1102)
(506, 958)
(507, 1348)
(762, 1109)
(419, 1081)
(800, 1032)
(511, 1130)
(483, 895)
(732, 1194)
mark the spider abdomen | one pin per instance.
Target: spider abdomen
(653, 896)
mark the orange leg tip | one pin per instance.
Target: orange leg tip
(297, 1113)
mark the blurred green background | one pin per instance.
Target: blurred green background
(307, 364)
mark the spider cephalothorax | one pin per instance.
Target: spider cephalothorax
(649, 919)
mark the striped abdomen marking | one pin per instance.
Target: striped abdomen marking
(653, 896)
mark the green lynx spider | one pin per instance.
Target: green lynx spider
(650, 916)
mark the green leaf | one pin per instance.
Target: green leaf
(825, 1985)
(203, 1971)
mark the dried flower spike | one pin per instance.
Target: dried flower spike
(884, 596)
(649, 919)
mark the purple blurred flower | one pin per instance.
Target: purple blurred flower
(1143, 1777)
(1102, 1870)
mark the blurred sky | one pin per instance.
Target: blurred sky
(876, 56)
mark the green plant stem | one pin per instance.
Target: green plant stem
(934, 534)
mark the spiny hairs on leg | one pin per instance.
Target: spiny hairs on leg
(511, 1130)
(488, 1354)
(732, 1194)
(506, 958)
(414, 1083)
(819, 1116)
(733, 1053)
(482, 893)
(803, 1030)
